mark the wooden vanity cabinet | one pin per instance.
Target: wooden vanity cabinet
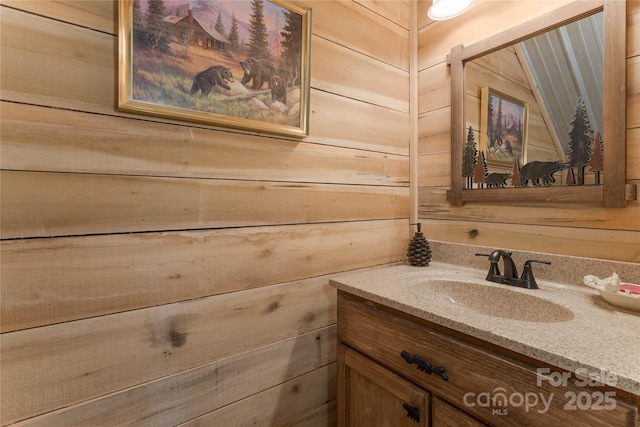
(375, 396)
(378, 356)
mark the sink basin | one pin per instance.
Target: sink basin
(497, 301)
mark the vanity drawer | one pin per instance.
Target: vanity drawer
(497, 389)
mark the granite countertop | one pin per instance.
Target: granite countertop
(579, 332)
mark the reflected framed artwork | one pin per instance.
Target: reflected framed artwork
(238, 64)
(503, 128)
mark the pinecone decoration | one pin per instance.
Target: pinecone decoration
(419, 252)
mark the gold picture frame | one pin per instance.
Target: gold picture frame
(237, 64)
(503, 128)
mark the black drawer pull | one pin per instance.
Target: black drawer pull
(412, 412)
(424, 365)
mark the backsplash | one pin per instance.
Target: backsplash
(563, 269)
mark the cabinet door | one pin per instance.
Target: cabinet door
(370, 395)
(446, 415)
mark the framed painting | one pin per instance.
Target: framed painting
(503, 128)
(239, 64)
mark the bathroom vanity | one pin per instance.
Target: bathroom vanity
(440, 346)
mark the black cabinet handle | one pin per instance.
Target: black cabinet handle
(412, 412)
(424, 365)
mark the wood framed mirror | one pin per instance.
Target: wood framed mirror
(614, 192)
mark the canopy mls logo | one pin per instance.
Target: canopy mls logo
(499, 401)
(588, 400)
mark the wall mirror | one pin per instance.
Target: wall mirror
(504, 77)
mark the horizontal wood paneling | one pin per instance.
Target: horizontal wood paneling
(434, 88)
(42, 204)
(579, 230)
(188, 279)
(349, 123)
(435, 170)
(198, 390)
(48, 281)
(633, 21)
(57, 64)
(434, 129)
(101, 15)
(351, 24)
(396, 11)
(584, 242)
(282, 404)
(47, 139)
(388, 86)
(325, 415)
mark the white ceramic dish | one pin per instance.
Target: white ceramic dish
(621, 299)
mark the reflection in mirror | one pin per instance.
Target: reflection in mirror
(542, 145)
(521, 103)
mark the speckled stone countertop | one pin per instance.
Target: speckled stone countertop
(578, 331)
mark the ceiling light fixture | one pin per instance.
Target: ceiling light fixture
(447, 9)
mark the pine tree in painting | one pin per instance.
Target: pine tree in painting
(597, 156)
(258, 46)
(156, 28)
(469, 159)
(140, 36)
(515, 174)
(292, 45)
(498, 127)
(490, 130)
(580, 138)
(219, 27)
(519, 133)
(481, 172)
(276, 38)
(233, 34)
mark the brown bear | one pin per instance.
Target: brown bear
(205, 80)
(278, 89)
(258, 70)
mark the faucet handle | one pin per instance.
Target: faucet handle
(494, 271)
(527, 278)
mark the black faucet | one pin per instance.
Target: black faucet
(510, 270)
(510, 276)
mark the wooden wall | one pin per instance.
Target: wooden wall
(563, 229)
(158, 273)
